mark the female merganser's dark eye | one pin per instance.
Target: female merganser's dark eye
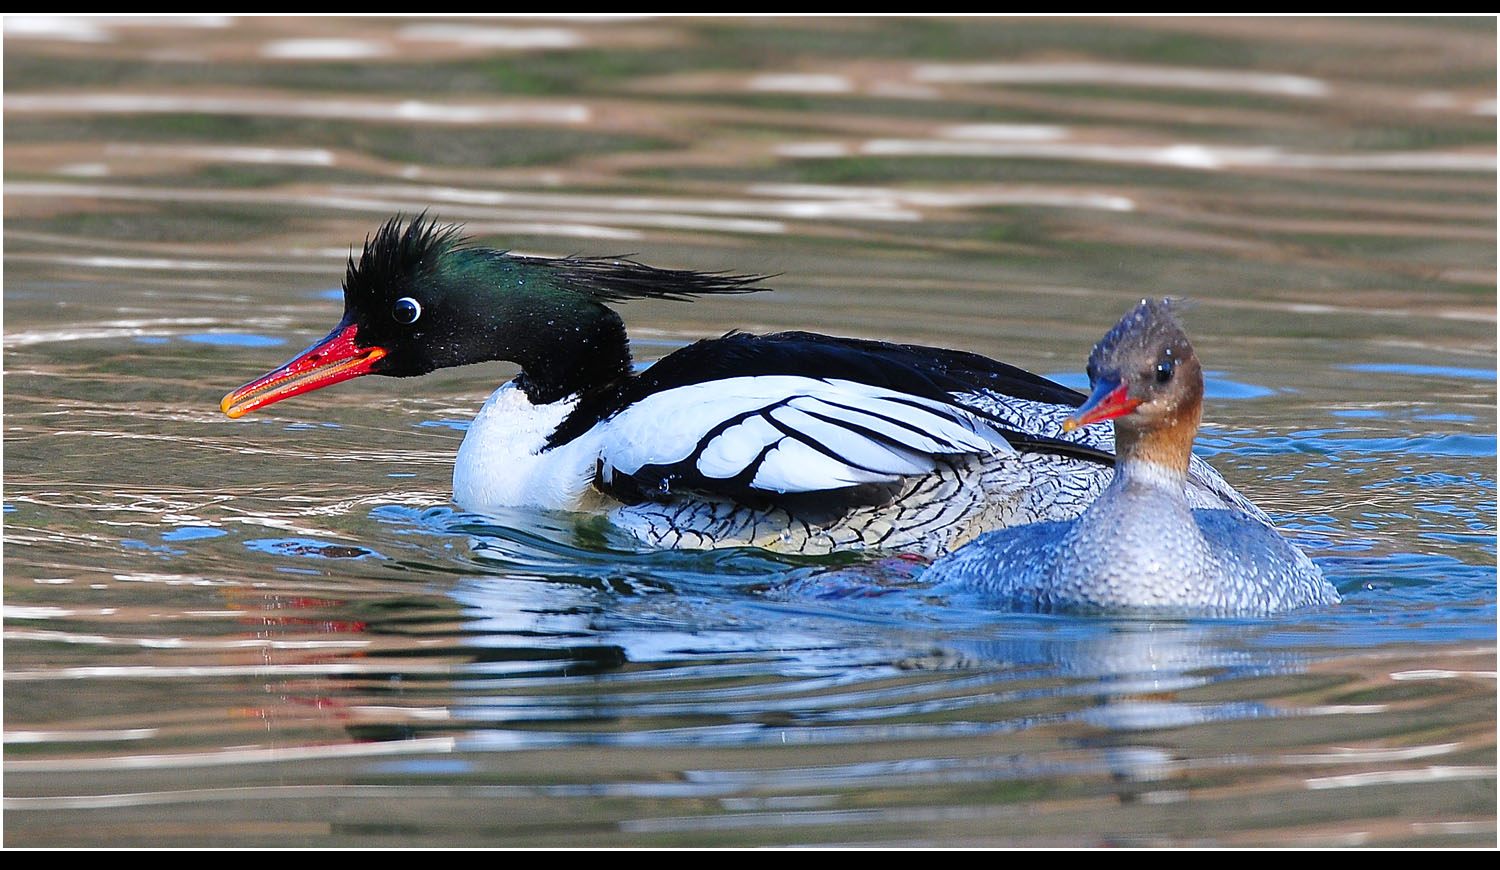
(1163, 371)
(407, 310)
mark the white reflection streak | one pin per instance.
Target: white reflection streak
(1476, 827)
(136, 672)
(267, 755)
(182, 643)
(205, 795)
(966, 198)
(494, 37)
(815, 150)
(420, 714)
(1361, 756)
(112, 329)
(1281, 84)
(382, 111)
(100, 28)
(166, 264)
(84, 736)
(171, 579)
(1437, 674)
(65, 27)
(228, 154)
(359, 203)
(13, 611)
(324, 49)
(405, 791)
(820, 208)
(1186, 155)
(1439, 773)
(802, 83)
(1006, 132)
(819, 817)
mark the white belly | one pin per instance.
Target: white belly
(501, 463)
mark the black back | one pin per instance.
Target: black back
(930, 373)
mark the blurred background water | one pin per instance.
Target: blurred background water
(279, 631)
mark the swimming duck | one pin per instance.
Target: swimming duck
(1141, 545)
(792, 441)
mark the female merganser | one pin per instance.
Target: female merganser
(793, 441)
(1141, 545)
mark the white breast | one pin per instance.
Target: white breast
(501, 462)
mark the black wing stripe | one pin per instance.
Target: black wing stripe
(879, 437)
(903, 424)
(819, 446)
(765, 412)
(745, 477)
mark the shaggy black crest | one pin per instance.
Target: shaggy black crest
(401, 251)
(620, 279)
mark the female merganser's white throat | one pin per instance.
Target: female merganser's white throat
(1141, 545)
(793, 441)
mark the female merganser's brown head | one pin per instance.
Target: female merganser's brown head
(1142, 545)
(1146, 377)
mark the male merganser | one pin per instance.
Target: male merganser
(792, 441)
(1141, 546)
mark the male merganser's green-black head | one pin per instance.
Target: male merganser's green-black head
(420, 298)
(1146, 377)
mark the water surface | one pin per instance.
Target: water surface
(280, 631)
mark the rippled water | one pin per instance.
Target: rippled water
(279, 631)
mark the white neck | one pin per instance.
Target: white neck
(1144, 472)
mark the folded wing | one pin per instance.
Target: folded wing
(782, 434)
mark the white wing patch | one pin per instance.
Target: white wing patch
(736, 447)
(789, 433)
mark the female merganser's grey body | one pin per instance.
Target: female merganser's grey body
(793, 441)
(1141, 545)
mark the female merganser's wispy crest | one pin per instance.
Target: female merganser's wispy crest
(793, 441)
(1141, 546)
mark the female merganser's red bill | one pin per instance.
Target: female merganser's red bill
(1108, 401)
(794, 441)
(1141, 545)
